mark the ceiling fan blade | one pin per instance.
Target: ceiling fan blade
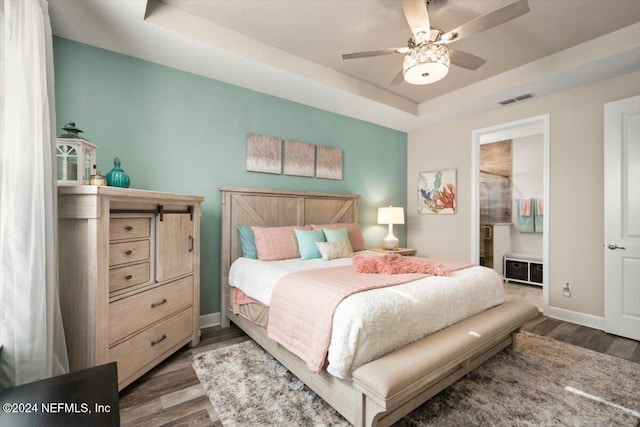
(486, 21)
(417, 16)
(378, 52)
(399, 78)
(465, 60)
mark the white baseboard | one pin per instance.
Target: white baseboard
(576, 317)
(209, 320)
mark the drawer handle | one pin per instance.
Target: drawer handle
(128, 277)
(191, 243)
(128, 252)
(155, 304)
(128, 228)
(159, 340)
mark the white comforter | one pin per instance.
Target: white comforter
(369, 324)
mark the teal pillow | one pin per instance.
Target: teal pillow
(247, 242)
(336, 234)
(307, 243)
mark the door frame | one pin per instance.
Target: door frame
(516, 129)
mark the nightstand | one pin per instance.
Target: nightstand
(399, 251)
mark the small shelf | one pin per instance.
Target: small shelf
(523, 268)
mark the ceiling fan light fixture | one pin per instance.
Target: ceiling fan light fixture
(426, 64)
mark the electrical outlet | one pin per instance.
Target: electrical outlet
(566, 289)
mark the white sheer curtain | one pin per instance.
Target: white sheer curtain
(30, 323)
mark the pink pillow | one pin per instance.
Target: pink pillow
(276, 243)
(353, 230)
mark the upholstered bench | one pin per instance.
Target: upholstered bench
(401, 381)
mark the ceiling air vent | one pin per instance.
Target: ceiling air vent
(517, 98)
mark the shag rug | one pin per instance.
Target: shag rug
(543, 382)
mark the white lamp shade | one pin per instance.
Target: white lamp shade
(391, 215)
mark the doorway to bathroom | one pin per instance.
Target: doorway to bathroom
(509, 201)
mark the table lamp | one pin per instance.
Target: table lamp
(391, 215)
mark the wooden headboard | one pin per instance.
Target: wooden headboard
(270, 208)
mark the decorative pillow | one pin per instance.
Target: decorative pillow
(247, 242)
(336, 235)
(276, 243)
(307, 243)
(353, 230)
(333, 250)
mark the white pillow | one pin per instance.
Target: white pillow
(333, 250)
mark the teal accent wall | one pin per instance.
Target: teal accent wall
(183, 133)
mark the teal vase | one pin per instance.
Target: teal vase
(116, 176)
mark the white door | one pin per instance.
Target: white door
(622, 217)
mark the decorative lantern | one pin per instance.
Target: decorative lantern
(76, 157)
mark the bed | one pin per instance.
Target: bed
(382, 390)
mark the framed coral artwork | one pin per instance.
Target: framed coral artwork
(437, 192)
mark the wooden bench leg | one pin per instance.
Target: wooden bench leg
(512, 346)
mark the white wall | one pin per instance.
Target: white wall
(527, 182)
(576, 190)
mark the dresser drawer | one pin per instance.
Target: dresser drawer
(126, 252)
(129, 228)
(142, 349)
(129, 275)
(136, 312)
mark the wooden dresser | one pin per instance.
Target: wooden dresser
(129, 272)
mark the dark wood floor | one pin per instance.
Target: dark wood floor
(171, 394)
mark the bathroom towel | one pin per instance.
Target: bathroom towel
(540, 207)
(525, 223)
(538, 217)
(525, 207)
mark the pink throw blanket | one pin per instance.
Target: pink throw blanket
(303, 303)
(398, 264)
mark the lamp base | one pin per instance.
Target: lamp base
(390, 242)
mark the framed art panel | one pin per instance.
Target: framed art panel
(264, 154)
(328, 162)
(299, 158)
(437, 192)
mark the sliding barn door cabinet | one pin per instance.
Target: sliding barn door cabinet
(129, 276)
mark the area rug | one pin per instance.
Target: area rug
(543, 382)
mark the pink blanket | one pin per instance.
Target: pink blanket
(303, 303)
(398, 264)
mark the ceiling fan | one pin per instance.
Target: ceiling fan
(427, 57)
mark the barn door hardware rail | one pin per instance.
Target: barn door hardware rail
(160, 211)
